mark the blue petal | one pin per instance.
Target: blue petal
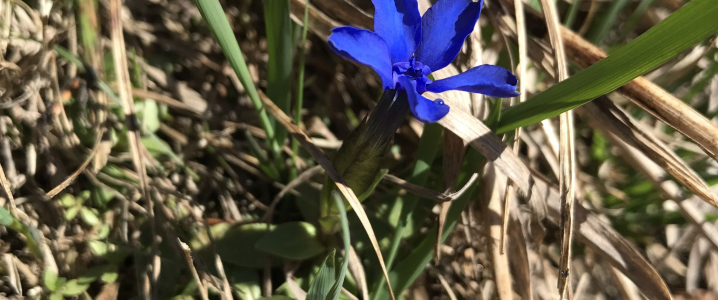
(398, 22)
(489, 80)
(423, 109)
(365, 47)
(444, 27)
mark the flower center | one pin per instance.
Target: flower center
(415, 70)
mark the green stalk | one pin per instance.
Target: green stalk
(300, 91)
(217, 22)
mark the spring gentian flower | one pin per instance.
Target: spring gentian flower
(405, 48)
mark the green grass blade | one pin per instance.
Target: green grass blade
(337, 287)
(300, 89)
(607, 21)
(684, 28)
(280, 49)
(635, 17)
(572, 13)
(213, 14)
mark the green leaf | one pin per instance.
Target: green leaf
(74, 288)
(6, 219)
(157, 148)
(98, 248)
(244, 281)
(689, 25)
(89, 216)
(323, 282)
(107, 273)
(277, 297)
(148, 113)
(293, 240)
(109, 277)
(237, 245)
(56, 296)
(67, 200)
(72, 212)
(50, 280)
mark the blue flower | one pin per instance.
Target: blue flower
(405, 48)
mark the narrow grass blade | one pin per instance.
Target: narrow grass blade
(300, 89)
(607, 21)
(337, 287)
(213, 14)
(566, 155)
(280, 49)
(682, 29)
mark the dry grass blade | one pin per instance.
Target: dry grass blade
(519, 258)
(124, 88)
(613, 119)
(566, 154)
(8, 192)
(65, 183)
(188, 257)
(491, 207)
(317, 154)
(609, 244)
(479, 136)
(306, 175)
(509, 193)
